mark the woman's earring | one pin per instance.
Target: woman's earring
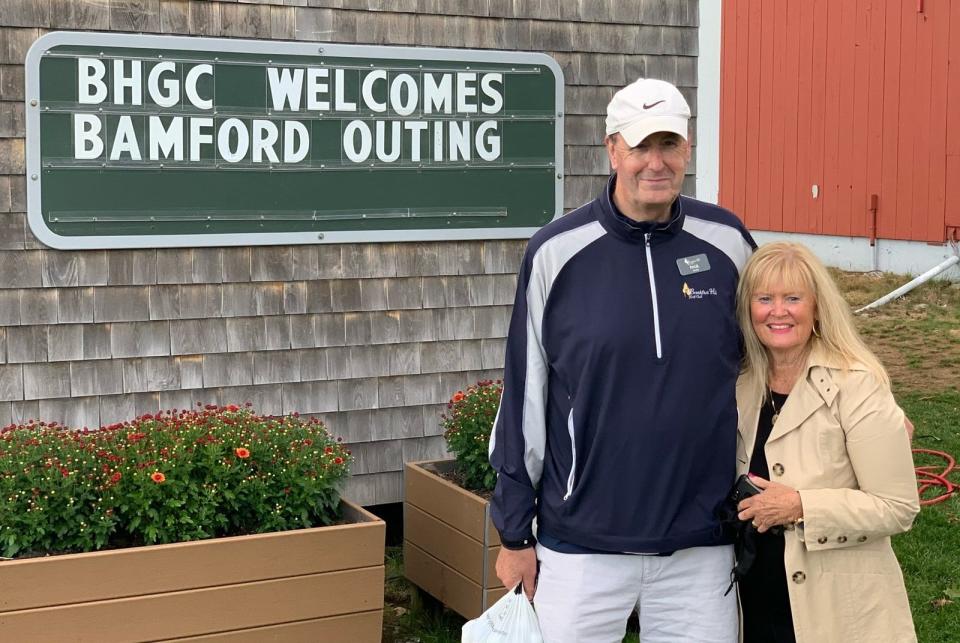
(816, 323)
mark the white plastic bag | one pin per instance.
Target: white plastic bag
(509, 620)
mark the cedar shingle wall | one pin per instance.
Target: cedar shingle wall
(373, 338)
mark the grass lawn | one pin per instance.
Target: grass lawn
(918, 339)
(930, 553)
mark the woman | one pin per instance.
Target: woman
(822, 436)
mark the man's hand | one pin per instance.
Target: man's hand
(514, 565)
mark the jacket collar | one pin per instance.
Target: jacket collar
(622, 226)
(816, 387)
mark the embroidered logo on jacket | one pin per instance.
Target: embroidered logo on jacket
(690, 293)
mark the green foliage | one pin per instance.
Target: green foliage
(169, 477)
(467, 425)
(928, 552)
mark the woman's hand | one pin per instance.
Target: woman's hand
(777, 504)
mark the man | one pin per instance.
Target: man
(617, 427)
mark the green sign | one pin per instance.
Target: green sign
(161, 141)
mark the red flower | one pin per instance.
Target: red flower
(233, 407)
(115, 478)
(64, 471)
(157, 477)
(338, 460)
(328, 450)
(458, 396)
(242, 453)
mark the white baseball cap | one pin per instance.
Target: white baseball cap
(644, 107)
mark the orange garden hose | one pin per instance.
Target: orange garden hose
(930, 479)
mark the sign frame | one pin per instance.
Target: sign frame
(34, 173)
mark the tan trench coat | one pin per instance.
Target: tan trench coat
(840, 441)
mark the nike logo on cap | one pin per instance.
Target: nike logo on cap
(646, 106)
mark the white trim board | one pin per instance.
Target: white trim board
(708, 101)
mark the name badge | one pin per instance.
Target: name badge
(693, 265)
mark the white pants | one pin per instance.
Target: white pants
(587, 598)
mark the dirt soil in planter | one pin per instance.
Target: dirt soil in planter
(456, 478)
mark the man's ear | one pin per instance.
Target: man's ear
(611, 144)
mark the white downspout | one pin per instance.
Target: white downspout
(907, 287)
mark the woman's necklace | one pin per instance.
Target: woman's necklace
(776, 414)
(784, 379)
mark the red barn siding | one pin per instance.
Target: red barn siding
(952, 185)
(852, 96)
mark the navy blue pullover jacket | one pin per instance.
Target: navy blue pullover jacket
(618, 421)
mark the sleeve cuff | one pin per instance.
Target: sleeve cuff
(516, 545)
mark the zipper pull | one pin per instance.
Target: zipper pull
(646, 238)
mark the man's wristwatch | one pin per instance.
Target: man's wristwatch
(516, 545)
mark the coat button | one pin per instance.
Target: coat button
(841, 539)
(777, 469)
(799, 577)
(822, 540)
(862, 539)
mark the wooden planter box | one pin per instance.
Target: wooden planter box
(322, 584)
(450, 546)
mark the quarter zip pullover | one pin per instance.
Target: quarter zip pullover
(617, 426)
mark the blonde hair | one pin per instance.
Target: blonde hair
(792, 265)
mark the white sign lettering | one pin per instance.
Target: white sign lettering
(392, 116)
